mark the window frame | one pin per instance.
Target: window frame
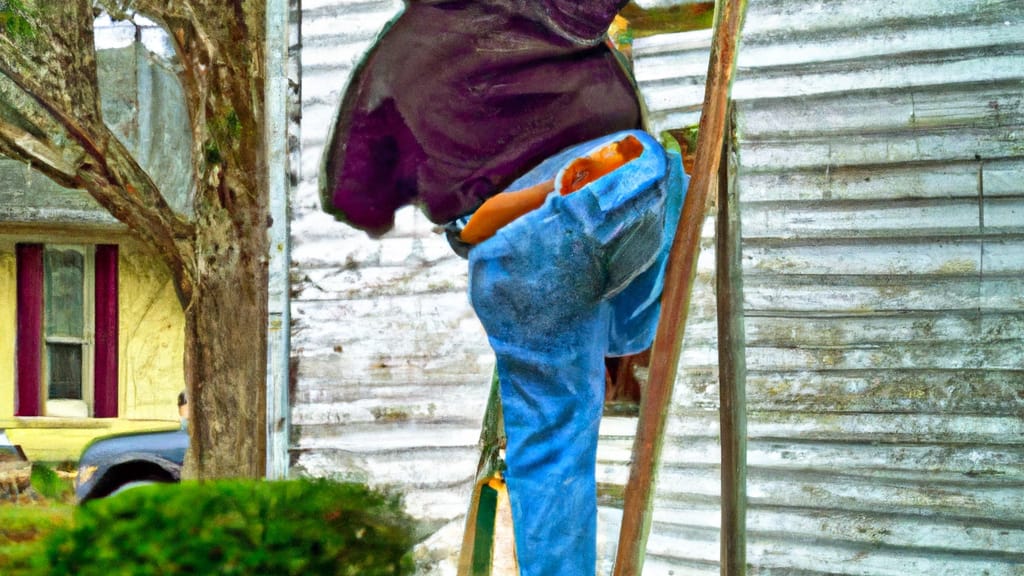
(86, 341)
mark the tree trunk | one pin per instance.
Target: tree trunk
(226, 316)
(226, 357)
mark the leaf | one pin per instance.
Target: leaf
(14, 19)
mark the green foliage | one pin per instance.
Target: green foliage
(683, 140)
(213, 153)
(48, 484)
(14, 19)
(226, 131)
(238, 527)
(233, 125)
(24, 527)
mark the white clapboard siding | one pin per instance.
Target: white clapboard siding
(391, 368)
(881, 185)
(879, 172)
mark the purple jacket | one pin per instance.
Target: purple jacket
(459, 98)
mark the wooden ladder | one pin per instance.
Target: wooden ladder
(486, 542)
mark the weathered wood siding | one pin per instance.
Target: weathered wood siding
(879, 173)
(881, 181)
(391, 368)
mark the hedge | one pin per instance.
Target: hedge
(306, 527)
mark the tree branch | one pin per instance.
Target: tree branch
(162, 229)
(95, 141)
(105, 168)
(21, 145)
(36, 92)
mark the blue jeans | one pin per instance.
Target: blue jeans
(557, 290)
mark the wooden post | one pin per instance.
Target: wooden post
(682, 267)
(731, 374)
(278, 419)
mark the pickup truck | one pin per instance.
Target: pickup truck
(114, 463)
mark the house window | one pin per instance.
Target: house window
(67, 305)
(67, 330)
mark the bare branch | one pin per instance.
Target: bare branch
(37, 92)
(135, 194)
(25, 147)
(122, 188)
(104, 167)
(97, 142)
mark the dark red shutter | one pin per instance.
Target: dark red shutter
(105, 360)
(29, 345)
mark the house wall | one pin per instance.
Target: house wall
(878, 166)
(391, 369)
(151, 345)
(882, 189)
(152, 337)
(880, 179)
(8, 326)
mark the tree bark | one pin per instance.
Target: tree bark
(226, 357)
(222, 46)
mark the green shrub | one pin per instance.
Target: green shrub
(48, 483)
(306, 527)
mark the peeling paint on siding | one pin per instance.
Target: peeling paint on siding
(880, 180)
(881, 302)
(392, 369)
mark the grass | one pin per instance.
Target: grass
(25, 523)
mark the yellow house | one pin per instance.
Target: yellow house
(148, 371)
(91, 331)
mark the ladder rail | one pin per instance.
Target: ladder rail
(675, 301)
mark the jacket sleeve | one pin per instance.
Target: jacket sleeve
(582, 22)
